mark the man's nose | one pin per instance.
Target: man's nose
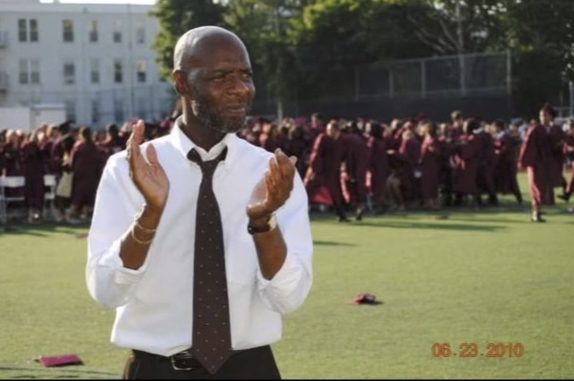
(240, 86)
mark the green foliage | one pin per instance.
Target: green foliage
(541, 35)
(263, 26)
(177, 17)
(305, 49)
(332, 37)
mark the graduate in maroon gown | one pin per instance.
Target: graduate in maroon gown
(33, 168)
(430, 166)
(299, 145)
(536, 157)
(12, 163)
(87, 167)
(316, 126)
(112, 143)
(409, 153)
(569, 154)
(356, 165)
(378, 165)
(12, 155)
(46, 144)
(556, 136)
(505, 147)
(486, 165)
(446, 165)
(466, 158)
(325, 167)
(455, 130)
(64, 140)
(270, 138)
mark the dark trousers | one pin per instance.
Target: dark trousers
(255, 363)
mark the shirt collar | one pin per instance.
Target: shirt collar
(183, 144)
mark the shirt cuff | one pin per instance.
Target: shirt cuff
(123, 275)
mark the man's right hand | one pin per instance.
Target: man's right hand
(148, 176)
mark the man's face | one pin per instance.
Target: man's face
(221, 83)
(545, 118)
(332, 130)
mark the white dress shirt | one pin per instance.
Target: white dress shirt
(154, 303)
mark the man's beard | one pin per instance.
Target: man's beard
(210, 118)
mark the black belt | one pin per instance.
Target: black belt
(183, 360)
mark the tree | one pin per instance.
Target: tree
(458, 26)
(541, 33)
(332, 37)
(263, 25)
(177, 17)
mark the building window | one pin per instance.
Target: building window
(119, 110)
(70, 109)
(140, 34)
(94, 31)
(34, 72)
(68, 30)
(28, 30)
(29, 72)
(117, 34)
(33, 30)
(24, 73)
(69, 73)
(22, 30)
(118, 71)
(96, 111)
(95, 71)
(141, 71)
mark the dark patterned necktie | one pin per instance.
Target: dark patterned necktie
(211, 331)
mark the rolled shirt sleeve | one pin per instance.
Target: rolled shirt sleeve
(117, 202)
(289, 288)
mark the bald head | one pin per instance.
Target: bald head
(194, 41)
(212, 73)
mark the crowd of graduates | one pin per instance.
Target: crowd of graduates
(74, 155)
(351, 166)
(364, 165)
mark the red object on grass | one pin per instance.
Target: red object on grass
(60, 360)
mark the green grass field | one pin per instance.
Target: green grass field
(475, 278)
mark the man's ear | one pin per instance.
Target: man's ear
(180, 83)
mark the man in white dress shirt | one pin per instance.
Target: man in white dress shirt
(145, 258)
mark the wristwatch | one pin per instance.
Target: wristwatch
(270, 225)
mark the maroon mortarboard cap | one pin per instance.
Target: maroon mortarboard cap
(59, 360)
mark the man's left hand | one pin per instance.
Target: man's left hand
(275, 187)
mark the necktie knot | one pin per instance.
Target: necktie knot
(207, 167)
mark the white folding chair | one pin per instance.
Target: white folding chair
(49, 196)
(9, 182)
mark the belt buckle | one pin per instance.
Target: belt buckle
(183, 361)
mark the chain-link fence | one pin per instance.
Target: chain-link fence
(478, 83)
(477, 73)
